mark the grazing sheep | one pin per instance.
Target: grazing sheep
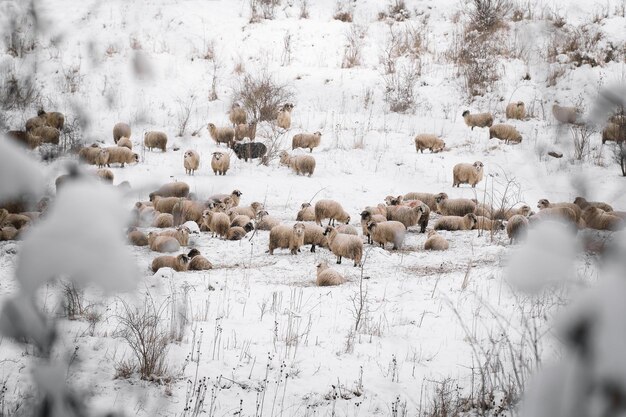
(327, 277)
(314, 236)
(177, 263)
(222, 134)
(426, 198)
(517, 228)
(306, 213)
(121, 155)
(478, 119)
(53, 119)
(431, 142)
(125, 142)
(120, 130)
(387, 232)
(155, 139)
(172, 189)
(435, 241)
(544, 203)
(240, 220)
(409, 216)
(245, 130)
(265, 221)
(614, 132)
(331, 210)
(137, 238)
(163, 220)
(236, 233)
(251, 211)
(583, 204)
(306, 140)
(485, 223)
(47, 134)
(102, 158)
(217, 223)
(181, 234)
(516, 110)
(300, 164)
(347, 229)
(34, 122)
(198, 262)
(466, 222)
(287, 237)
(395, 213)
(505, 132)
(565, 114)
(191, 161)
(506, 214)
(344, 246)
(596, 218)
(220, 163)
(163, 243)
(165, 204)
(251, 150)
(105, 175)
(283, 119)
(89, 154)
(235, 195)
(368, 217)
(464, 173)
(237, 115)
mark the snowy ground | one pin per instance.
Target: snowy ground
(268, 338)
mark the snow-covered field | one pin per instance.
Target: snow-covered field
(256, 332)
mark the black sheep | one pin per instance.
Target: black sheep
(251, 150)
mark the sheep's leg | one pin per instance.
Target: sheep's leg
(338, 259)
(312, 248)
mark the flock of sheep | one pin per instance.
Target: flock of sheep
(177, 213)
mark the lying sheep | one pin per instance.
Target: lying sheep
(347, 229)
(544, 203)
(181, 234)
(136, 238)
(240, 220)
(431, 142)
(517, 228)
(238, 233)
(505, 132)
(368, 217)
(306, 140)
(410, 216)
(344, 246)
(265, 221)
(120, 130)
(155, 139)
(283, 119)
(34, 122)
(387, 232)
(614, 132)
(426, 198)
(484, 223)
(89, 154)
(191, 161)
(163, 220)
(143, 215)
(220, 163)
(464, 173)
(235, 196)
(454, 207)
(251, 211)
(24, 138)
(222, 134)
(121, 155)
(516, 110)
(435, 241)
(237, 115)
(105, 175)
(125, 142)
(565, 114)
(165, 204)
(217, 223)
(466, 222)
(9, 233)
(53, 119)
(287, 237)
(583, 204)
(47, 134)
(478, 119)
(172, 189)
(306, 213)
(314, 236)
(197, 262)
(327, 277)
(13, 219)
(245, 130)
(177, 263)
(102, 158)
(506, 214)
(251, 150)
(331, 210)
(596, 218)
(300, 164)
(163, 243)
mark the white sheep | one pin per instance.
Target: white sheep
(155, 139)
(331, 210)
(287, 237)
(478, 119)
(191, 161)
(387, 232)
(428, 141)
(327, 277)
(300, 164)
(505, 132)
(464, 173)
(516, 110)
(344, 246)
(306, 140)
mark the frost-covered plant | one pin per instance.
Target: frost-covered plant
(400, 87)
(488, 15)
(354, 45)
(261, 95)
(17, 90)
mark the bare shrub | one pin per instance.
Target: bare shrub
(405, 42)
(20, 36)
(287, 49)
(143, 331)
(73, 300)
(304, 9)
(72, 78)
(263, 9)
(185, 107)
(400, 87)
(71, 135)
(581, 45)
(352, 52)
(488, 15)
(343, 11)
(274, 143)
(262, 95)
(581, 138)
(17, 91)
(619, 156)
